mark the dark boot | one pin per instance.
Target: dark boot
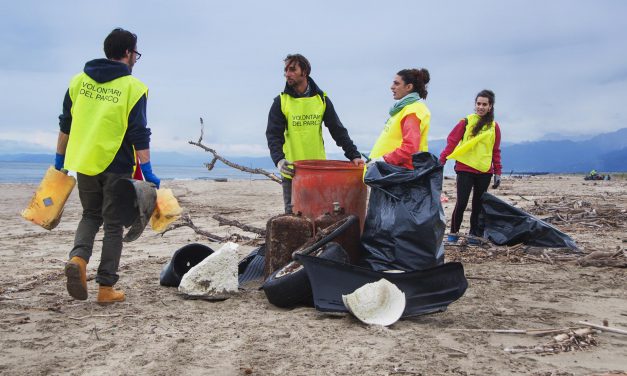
(76, 273)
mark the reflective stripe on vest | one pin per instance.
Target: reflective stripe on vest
(99, 120)
(303, 135)
(476, 151)
(391, 137)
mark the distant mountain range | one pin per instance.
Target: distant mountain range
(605, 152)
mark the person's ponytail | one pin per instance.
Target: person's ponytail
(419, 78)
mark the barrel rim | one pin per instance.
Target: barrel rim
(331, 164)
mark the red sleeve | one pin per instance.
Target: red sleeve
(453, 139)
(410, 126)
(496, 151)
(137, 173)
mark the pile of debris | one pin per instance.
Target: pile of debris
(571, 340)
(560, 211)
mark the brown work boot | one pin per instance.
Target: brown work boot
(76, 273)
(106, 294)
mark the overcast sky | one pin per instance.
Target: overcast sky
(557, 67)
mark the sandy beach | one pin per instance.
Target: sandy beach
(156, 332)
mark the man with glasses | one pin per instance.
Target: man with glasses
(102, 126)
(294, 130)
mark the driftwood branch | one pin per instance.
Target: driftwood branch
(218, 157)
(575, 340)
(532, 332)
(601, 259)
(603, 328)
(88, 316)
(508, 280)
(186, 221)
(231, 222)
(510, 331)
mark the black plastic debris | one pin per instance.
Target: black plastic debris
(505, 224)
(135, 200)
(405, 224)
(289, 286)
(182, 261)
(250, 268)
(426, 291)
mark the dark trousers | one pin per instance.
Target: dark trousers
(467, 181)
(96, 197)
(287, 194)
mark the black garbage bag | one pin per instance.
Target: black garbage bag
(405, 223)
(505, 224)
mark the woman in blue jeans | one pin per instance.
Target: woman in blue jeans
(474, 143)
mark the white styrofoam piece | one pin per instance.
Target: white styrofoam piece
(379, 303)
(215, 276)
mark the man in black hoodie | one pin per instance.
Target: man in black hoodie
(102, 126)
(294, 131)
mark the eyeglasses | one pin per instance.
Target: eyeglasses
(137, 55)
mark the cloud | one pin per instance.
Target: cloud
(555, 66)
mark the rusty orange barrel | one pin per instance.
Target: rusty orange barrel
(319, 183)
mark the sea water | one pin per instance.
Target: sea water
(21, 172)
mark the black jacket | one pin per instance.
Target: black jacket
(137, 133)
(277, 124)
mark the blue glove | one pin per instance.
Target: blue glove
(149, 175)
(59, 161)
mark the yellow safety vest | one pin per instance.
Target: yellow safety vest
(99, 120)
(391, 137)
(303, 135)
(476, 151)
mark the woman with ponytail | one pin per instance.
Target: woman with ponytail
(405, 131)
(475, 145)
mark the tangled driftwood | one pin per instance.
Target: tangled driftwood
(563, 339)
(601, 258)
(222, 221)
(186, 220)
(575, 212)
(572, 340)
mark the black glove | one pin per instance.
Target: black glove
(497, 181)
(285, 168)
(375, 160)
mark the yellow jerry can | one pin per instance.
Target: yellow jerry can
(46, 206)
(166, 211)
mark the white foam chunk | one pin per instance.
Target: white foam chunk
(379, 303)
(215, 276)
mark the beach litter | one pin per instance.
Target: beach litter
(215, 277)
(378, 303)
